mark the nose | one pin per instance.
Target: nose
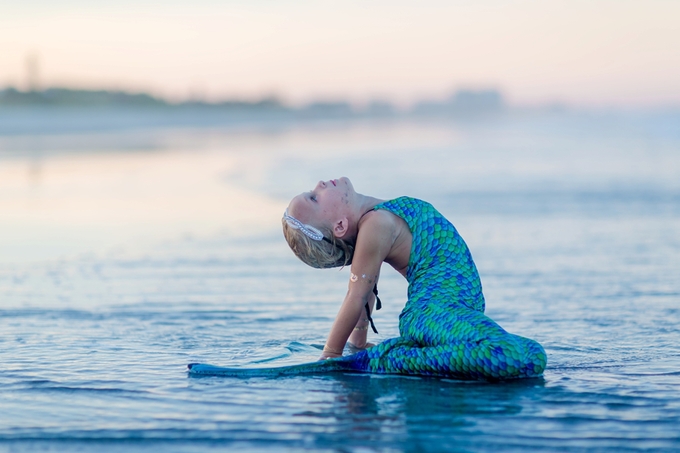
(321, 184)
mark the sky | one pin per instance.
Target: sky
(599, 53)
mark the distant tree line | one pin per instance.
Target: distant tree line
(461, 102)
(75, 97)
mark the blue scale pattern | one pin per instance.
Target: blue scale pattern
(443, 329)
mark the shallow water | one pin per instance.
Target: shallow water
(120, 266)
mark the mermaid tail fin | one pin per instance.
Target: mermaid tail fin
(347, 363)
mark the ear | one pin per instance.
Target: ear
(340, 228)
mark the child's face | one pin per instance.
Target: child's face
(323, 205)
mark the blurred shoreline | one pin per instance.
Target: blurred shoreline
(40, 119)
(27, 130)
(62, 110)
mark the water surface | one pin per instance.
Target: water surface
(128, 254)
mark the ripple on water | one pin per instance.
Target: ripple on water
(94, 348)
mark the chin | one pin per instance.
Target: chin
(346, 180)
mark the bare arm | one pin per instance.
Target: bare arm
(374, 241)
(358, 337)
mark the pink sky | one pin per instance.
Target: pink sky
(590, 53)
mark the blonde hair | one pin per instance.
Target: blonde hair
(321, 254)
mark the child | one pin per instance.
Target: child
(443, 329)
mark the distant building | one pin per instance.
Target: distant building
(463, 103)
(466, 100)
(379, 109)
(328, 109)
(32, 72)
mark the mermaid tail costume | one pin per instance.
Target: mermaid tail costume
(443, 329)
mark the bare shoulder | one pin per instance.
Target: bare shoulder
(386, 236)
(379, 221)
(378, 229)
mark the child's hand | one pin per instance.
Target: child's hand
(356, 348)
(329, 355)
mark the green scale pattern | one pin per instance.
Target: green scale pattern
(443, 329)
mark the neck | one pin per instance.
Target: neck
(363, 204)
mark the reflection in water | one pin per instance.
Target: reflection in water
(93, 203)
(384, 411)
(35, 170)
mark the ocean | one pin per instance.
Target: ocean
(130, 248)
